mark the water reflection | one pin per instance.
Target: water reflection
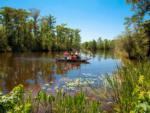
(35, 69)
(101, 54)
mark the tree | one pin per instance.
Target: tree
(14, 22)
(3, 41)
(141, 9)
(100, 44)
(140, 18)
(35, 14)
(146, 26)
(47, 33)
(94, 45)
(76, 39)
(60, 41)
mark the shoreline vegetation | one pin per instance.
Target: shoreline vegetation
(128, 87)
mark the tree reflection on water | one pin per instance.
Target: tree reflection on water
(31, 70)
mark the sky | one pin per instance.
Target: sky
(95, 18)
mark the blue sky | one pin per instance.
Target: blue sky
(95, 18)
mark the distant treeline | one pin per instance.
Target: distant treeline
(26, 30)
(99, 44)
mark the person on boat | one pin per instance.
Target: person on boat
(73, 57)
(66, 55)
(77, 55)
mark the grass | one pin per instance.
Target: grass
(130, 87)
(18, 101)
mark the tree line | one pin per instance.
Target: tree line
(99, 44)
(26, 30)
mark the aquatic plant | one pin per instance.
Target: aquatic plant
(76, 84)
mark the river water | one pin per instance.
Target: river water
(41, 71)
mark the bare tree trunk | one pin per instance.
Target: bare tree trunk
(148, 52)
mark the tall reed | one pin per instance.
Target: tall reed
(130, 88)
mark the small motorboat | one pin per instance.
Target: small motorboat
(69, 60)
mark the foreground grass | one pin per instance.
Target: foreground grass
(17, 102)
(130, 88)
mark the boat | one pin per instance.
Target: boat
(69, 60)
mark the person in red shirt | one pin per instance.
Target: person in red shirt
(66, 54)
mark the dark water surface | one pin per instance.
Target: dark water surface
(40, 70)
